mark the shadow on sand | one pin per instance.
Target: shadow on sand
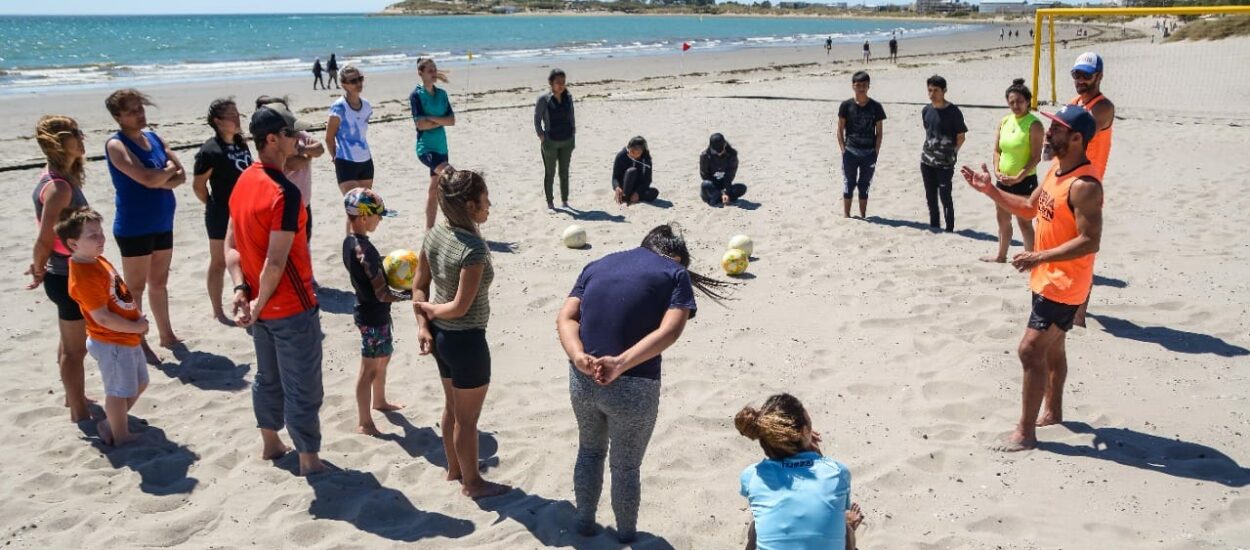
(206, 371)
(333, 300)
(426, 443)
(553, 523)
(359, 499)
(967, 233)
(1171, 339)
(1150, 452)
(162, 465)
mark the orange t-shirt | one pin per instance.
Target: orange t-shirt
(95, 285)
(1099, 148)
(1067, 281)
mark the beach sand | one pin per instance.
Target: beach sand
(901, 344)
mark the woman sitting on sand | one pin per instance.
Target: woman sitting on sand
(59, 188)
(625, 309)
(1017, 151)
(632, 173)
(799, 498)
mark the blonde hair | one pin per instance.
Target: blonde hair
(456, 189)
(49, 132)
(423, 62)
(778, 425)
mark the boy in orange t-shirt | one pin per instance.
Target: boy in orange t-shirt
(114, 323)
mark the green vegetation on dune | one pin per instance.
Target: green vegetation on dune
(1214, 28)
(741, 7)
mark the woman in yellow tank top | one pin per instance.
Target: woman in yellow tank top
(1017, 151)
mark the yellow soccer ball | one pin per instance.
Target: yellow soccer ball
(734, 262)
(400, 267)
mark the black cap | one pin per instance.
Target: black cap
(1077, 119)
(267, 121)
(716, 143)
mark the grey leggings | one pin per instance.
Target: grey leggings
(622, 412)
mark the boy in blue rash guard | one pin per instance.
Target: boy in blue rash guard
(799, 499)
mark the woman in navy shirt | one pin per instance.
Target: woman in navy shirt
(625, 309)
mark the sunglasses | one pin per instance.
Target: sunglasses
(1082, 75)
(75, 133)
(356, 80)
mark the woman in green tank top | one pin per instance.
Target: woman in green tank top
(1017, 151)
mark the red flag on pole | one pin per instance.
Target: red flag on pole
(685, 46)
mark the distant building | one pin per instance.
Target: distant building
(1008, 8)
(794, 5)
(939, 6)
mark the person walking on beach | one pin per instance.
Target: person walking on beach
(1017, 151)
(718, 168)
(347, 134)
(828, 45)
(556, 127)
(860, 131)
(317, 75)
(795, 485)
(431, 114)
(145, 171)
(218, 164)
(866, 51)
(451, 322)
(60, 189)
(944, 134)
(298, 167)
(632, 173)
(893, 49)
(332, 70)
(268, 260)
(625, 309)
(1068, 212)
(1087, 79)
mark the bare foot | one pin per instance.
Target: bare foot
(369, 429)
(275, 453)
(106, 433)
(485, 489)
(454, 476)
(1050, 418)
(388, 407)
(79, 414)
(1014, 443)
(150, 356)
(994, 259)
(170, 342)
(311, 466)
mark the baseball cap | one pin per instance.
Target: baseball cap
(1077, 119)
(362, 201)
(267, 120)
(1088, 62)
(281, 108)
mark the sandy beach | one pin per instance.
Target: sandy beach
(901, 344)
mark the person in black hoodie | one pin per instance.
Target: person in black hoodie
(718, 164)
(632, 172)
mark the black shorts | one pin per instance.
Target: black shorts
(346, 170)
(463, 356)
(144, 245)
(57, 288)
(1024, 188)
(216, 220)
(432, 160)
(1048, 312)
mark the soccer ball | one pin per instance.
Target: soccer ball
(734, 262)
(400, 267)
(574, 236)
(743, 243)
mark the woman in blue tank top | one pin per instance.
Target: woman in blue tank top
(144, 172)
(799, 498)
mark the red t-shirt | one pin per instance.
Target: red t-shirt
(264, 200)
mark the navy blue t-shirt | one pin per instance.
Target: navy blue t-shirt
(624, 297)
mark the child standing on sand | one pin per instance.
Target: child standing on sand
(115, 326)
(373, 303)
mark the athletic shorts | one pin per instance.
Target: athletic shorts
(122, 368)
(57, 288)
(216, 220)
(346, 170)
(432, 160)
(463, 356)
(375, 341)
(1024, 188)
(144, 245)
(1047, 312)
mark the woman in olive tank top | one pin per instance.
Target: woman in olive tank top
(1017, 150)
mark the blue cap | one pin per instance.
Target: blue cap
(1077, 119)
(1088, 62)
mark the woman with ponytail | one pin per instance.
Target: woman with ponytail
(60, 188)
(1017, 151)
(218, 164)
(431, 114)
(451, 323)
(799, 498)
(625, 309)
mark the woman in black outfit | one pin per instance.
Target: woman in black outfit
(632, 172)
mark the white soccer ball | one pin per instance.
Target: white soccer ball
(574, 236)
(743, 243)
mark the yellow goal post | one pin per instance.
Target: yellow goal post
(1048, 15)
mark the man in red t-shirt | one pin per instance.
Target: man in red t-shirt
(267, 256)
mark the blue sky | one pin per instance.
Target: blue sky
(133, 7)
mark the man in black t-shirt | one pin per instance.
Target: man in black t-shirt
(860, 130)
(944, 131)
(893, 49)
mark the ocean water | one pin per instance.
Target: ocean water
(79, 52)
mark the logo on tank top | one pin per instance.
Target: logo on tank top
(1046, 206)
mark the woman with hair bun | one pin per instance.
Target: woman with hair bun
(799, 498)
(1017, 151)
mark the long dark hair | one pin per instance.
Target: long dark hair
(456, 189)
(218, 108)
(666, 240)
(638, 142)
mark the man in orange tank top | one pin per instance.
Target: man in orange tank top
(1087, 78)
(1067, 208)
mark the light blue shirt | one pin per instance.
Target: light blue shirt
(799, 503)
(352, 140)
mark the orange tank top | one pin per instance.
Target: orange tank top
(1099, 148)
(1068, 281)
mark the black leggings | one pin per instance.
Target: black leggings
(937, 183)
(633, 183)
